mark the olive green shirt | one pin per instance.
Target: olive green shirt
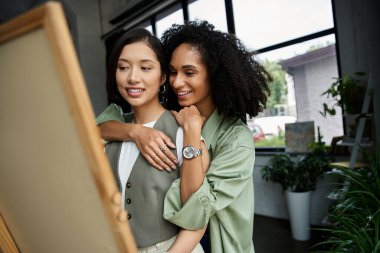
(225, 200)
(112, 112)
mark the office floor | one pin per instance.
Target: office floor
(273, 235)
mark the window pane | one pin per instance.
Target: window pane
(297, 49)
(149, 28)
(301, 73)
(213, 11)
(146, 24)
(263, 23)
(164, 23)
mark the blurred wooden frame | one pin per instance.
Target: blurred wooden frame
(57, 192)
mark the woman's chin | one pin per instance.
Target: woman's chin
(184, 103)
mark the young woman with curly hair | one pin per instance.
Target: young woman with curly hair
(217, 83)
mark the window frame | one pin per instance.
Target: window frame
(153, 15)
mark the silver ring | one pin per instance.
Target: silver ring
(163, 148)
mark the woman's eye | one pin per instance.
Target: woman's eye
(189, 73)
(172, 73)
(146, 68)
(121, 68)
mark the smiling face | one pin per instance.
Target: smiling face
(138, 75)
(189, 79)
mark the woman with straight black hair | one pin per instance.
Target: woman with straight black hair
(136, 73)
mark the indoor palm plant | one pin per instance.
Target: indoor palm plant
(356, 214)
(297, 178)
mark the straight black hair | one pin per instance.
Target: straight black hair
(130, 37)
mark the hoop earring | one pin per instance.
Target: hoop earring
(162, 95)
(162, 91)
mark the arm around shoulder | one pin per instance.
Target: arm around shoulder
(112, 124)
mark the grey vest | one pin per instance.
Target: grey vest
(146, 189)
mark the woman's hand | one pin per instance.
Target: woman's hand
(154, 146)
(152, 143)
(189, 118)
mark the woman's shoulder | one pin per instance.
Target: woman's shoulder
(167, 124)
(236, 133)
(169, 118)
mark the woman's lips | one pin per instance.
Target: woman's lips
(183, 94)
(134, 92)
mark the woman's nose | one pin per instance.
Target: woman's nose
(133, 76)
(176, 81)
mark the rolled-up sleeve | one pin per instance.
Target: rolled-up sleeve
(186, 216)
(228, 174)
(112, 112)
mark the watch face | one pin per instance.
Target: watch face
(188, 152)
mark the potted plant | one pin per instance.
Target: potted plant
(347, 92)
(356, 214)
(297, 178)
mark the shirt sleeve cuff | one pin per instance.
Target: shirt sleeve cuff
(196, 212)
(112, 112)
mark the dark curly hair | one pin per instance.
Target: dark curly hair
(239, 84)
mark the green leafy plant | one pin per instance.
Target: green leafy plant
(348, 93)
(319, 147)
(357, 214)
(298, 176)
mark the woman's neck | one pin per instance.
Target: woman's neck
(206, 109)
(147, 113)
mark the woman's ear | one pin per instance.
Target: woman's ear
(163, 79)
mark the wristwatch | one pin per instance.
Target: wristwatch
(190, 152)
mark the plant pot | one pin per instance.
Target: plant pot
(299, 214)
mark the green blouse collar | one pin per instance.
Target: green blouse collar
(210, 127)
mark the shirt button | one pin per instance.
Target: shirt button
(129, 216)
(129, 201)
(129, 185)
(204, 200)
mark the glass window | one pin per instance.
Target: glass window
(263, 23)
(149, 28)
(165, 20)
(213, 11)
(301, 73)
(298, 49)
(146, 24)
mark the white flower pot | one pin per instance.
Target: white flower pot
(299, 214)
